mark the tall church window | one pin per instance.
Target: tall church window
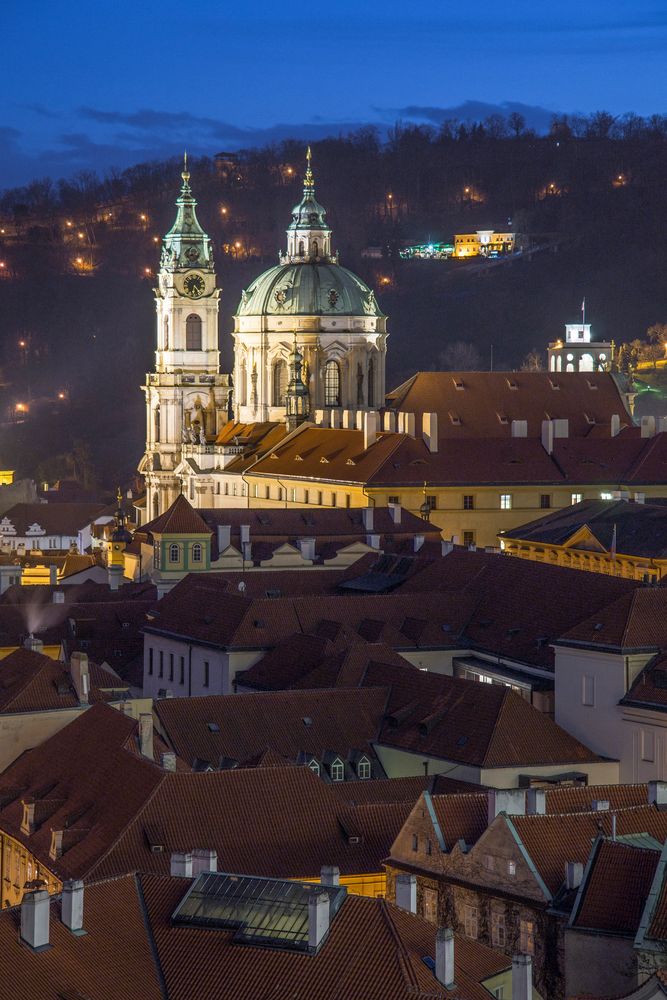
(156, 418)
(279, 383)
(316, 249)
(301, 248)
(331, 384)
(193, 333)
(370, 394)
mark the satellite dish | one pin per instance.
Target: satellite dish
(242, 586)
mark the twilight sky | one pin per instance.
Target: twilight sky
(90, 85)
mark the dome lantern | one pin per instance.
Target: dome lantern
(308, 235)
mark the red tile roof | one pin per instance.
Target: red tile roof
(617, 887)
(650, 686)
(637, 620)
(32, 682)
(179, 519)
(55, 518)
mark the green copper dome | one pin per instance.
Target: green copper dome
(308, 289)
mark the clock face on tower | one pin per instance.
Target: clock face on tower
(194, 286)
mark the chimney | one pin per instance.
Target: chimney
(648, 427)
(348, 420)
(661, 425)
(146, 734)
(394, 512)
(536, 802)
(71, 905)
(519, 428)
(318, 918)
(204, 859)
(370, 425)
(244, 531)
(508, 800)
(444, 957)
(53, 575)
(561, 428)
(430, 431)
(406, 892)
(36, 645)
(181, 865)
(35, 919)
(548, 436)
(168, 760)
(417, 542)
(367, 517)
(306, 547)
(446, 547)
(615, 425)
(522, 977)
(246, 549)
(79, 672)
(330, 875)
(600, 805)
(640, 498)
(224, 536)
(406, 423)
(657, 794)
(58, 597)
(373, 541)
(389, 420)
(574, 872)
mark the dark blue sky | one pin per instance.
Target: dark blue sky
(96, 84)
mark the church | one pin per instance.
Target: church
(309, 337)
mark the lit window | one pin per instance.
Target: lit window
(337, 770)
(196, 552)
(331, 384)
(174, 553)
(364, 768)
(505, 501)
(498, 932)
(577, 497)
(527, 937)
(606, 496)
(468, 503)
(471, 922)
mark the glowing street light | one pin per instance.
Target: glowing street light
(223, 210)
(156, 239)
(61, 395)
(69, 224)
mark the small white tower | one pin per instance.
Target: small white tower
(186, 397)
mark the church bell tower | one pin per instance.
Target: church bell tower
(187, 398)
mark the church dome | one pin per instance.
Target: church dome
(308, 289)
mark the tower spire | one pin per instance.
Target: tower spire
(185, 173)
(309, 180)
(308, 235)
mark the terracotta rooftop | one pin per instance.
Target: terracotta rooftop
(637, 620)
(179, 519)
(617, 887)
(650, 686)
(53, 518)
(32, 682)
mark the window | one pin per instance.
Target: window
(588, 690)
(150, 660)
(511, 867)
(499, 992)
(292, 495)
(431, 502)
(527, 937)
(171, 666)
(193, 333)
(331, 384)
(468, 537)
(648, 745)
(306, 496)
(301, 248)
(471, 921)
(505, 501)
(364, 768)
(396, 500)
(429, 846)
(576, 498)
(314, 766)
(207, 674)
(415, 842)
(196, 553)
(430, 905)
(181, 679)
(156, 420)
(279, 383)
(468, 502)
(489, 863)
(498, 932)
(174, 553)
(545, 501)
(606, 496)
(337, 770)
(161, 673)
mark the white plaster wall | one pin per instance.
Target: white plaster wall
(643, 735)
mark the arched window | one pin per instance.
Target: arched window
(279, 383)
(196, 553)
(316, 248)
(301, 248)
(363, 768)
(174, 553)
(156, 418)
(370, 393)
(331, 384)
(337, 770)
(193, 333)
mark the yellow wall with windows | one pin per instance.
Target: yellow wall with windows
(627, 566)
(373, 884)
(18, 866)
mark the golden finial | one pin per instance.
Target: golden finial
(309, 181)
(119, 496)
(185, 173)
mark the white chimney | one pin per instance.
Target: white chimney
(244, 531)
(389, 420)
(370, 425)
(657, 794)
(615, 425)
(71, 905)
(522, 977)
(58, 597)
(561, 428)
(446, 547)
(508, 800)
(224, 536)
(600, 805)
(373, 541)
(430, 431)
(36, 645)
(367, 517)
(79, 672)
(406, 892)
(394, 512)
(548, 436)
(406, 423)
(146, 734)
(318, 918)
(519, 428)
(204, 859)
(168, 760)
(306, 547)
(444, 957)
(574, 872)
(35, 919)
(348, 420)
(648, 427)
(330, 875)
(536, 802)
(417, 542)
(640, 498)
(181, 865)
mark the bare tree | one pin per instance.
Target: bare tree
(459, 356)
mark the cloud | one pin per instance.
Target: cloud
(471, 111)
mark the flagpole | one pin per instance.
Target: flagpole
(583, 315)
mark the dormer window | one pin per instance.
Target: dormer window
(314, 766)
(337, 770)
(363, 768)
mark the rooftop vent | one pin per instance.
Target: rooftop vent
(307, 721)
(213, 727)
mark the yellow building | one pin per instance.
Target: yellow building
(483, 243)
